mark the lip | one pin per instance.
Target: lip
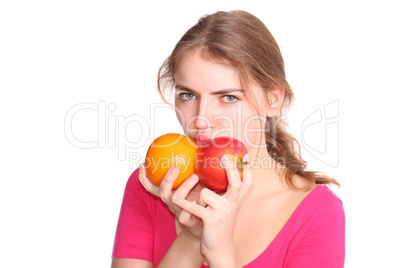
(201, 140)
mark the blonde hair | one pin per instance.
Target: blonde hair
(240, 39)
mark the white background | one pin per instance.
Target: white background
(59, 203)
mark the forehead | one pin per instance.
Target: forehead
(201, 72)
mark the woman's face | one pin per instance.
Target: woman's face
(210, 103)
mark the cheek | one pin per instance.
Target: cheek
(253, 130)
(186, 117)
(180, 115)
(183, 117)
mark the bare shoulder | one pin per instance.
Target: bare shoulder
(130, 263)
(322, 193)
(303, 189)
(302, 184)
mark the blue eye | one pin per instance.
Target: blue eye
(227, 99)
(230, 99)
(186, 96)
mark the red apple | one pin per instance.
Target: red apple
(207, 165)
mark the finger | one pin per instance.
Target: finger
(247, 181)
(186, 187)
(165, 189)
(234, 181)
(201, 202)
(191, 207)
(146, 183)
(186, 219)
(209, 198)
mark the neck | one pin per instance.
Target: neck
(261, 160)
(265, 171)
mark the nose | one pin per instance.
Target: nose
(201, 122)
(204, 117)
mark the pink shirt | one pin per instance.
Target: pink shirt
(314, 236)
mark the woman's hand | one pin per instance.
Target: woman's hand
(218, 214)
(189, 190)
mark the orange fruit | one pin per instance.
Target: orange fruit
(167, 151)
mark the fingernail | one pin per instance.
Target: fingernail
(225, 161)
(174, 170)
(246, 160)
(194, 177)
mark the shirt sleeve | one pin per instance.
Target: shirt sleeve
(134, 232)
(323, 244)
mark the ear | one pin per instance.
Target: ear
(275, 101)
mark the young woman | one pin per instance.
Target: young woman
(228, 78)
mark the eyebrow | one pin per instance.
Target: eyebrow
(219, 92)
